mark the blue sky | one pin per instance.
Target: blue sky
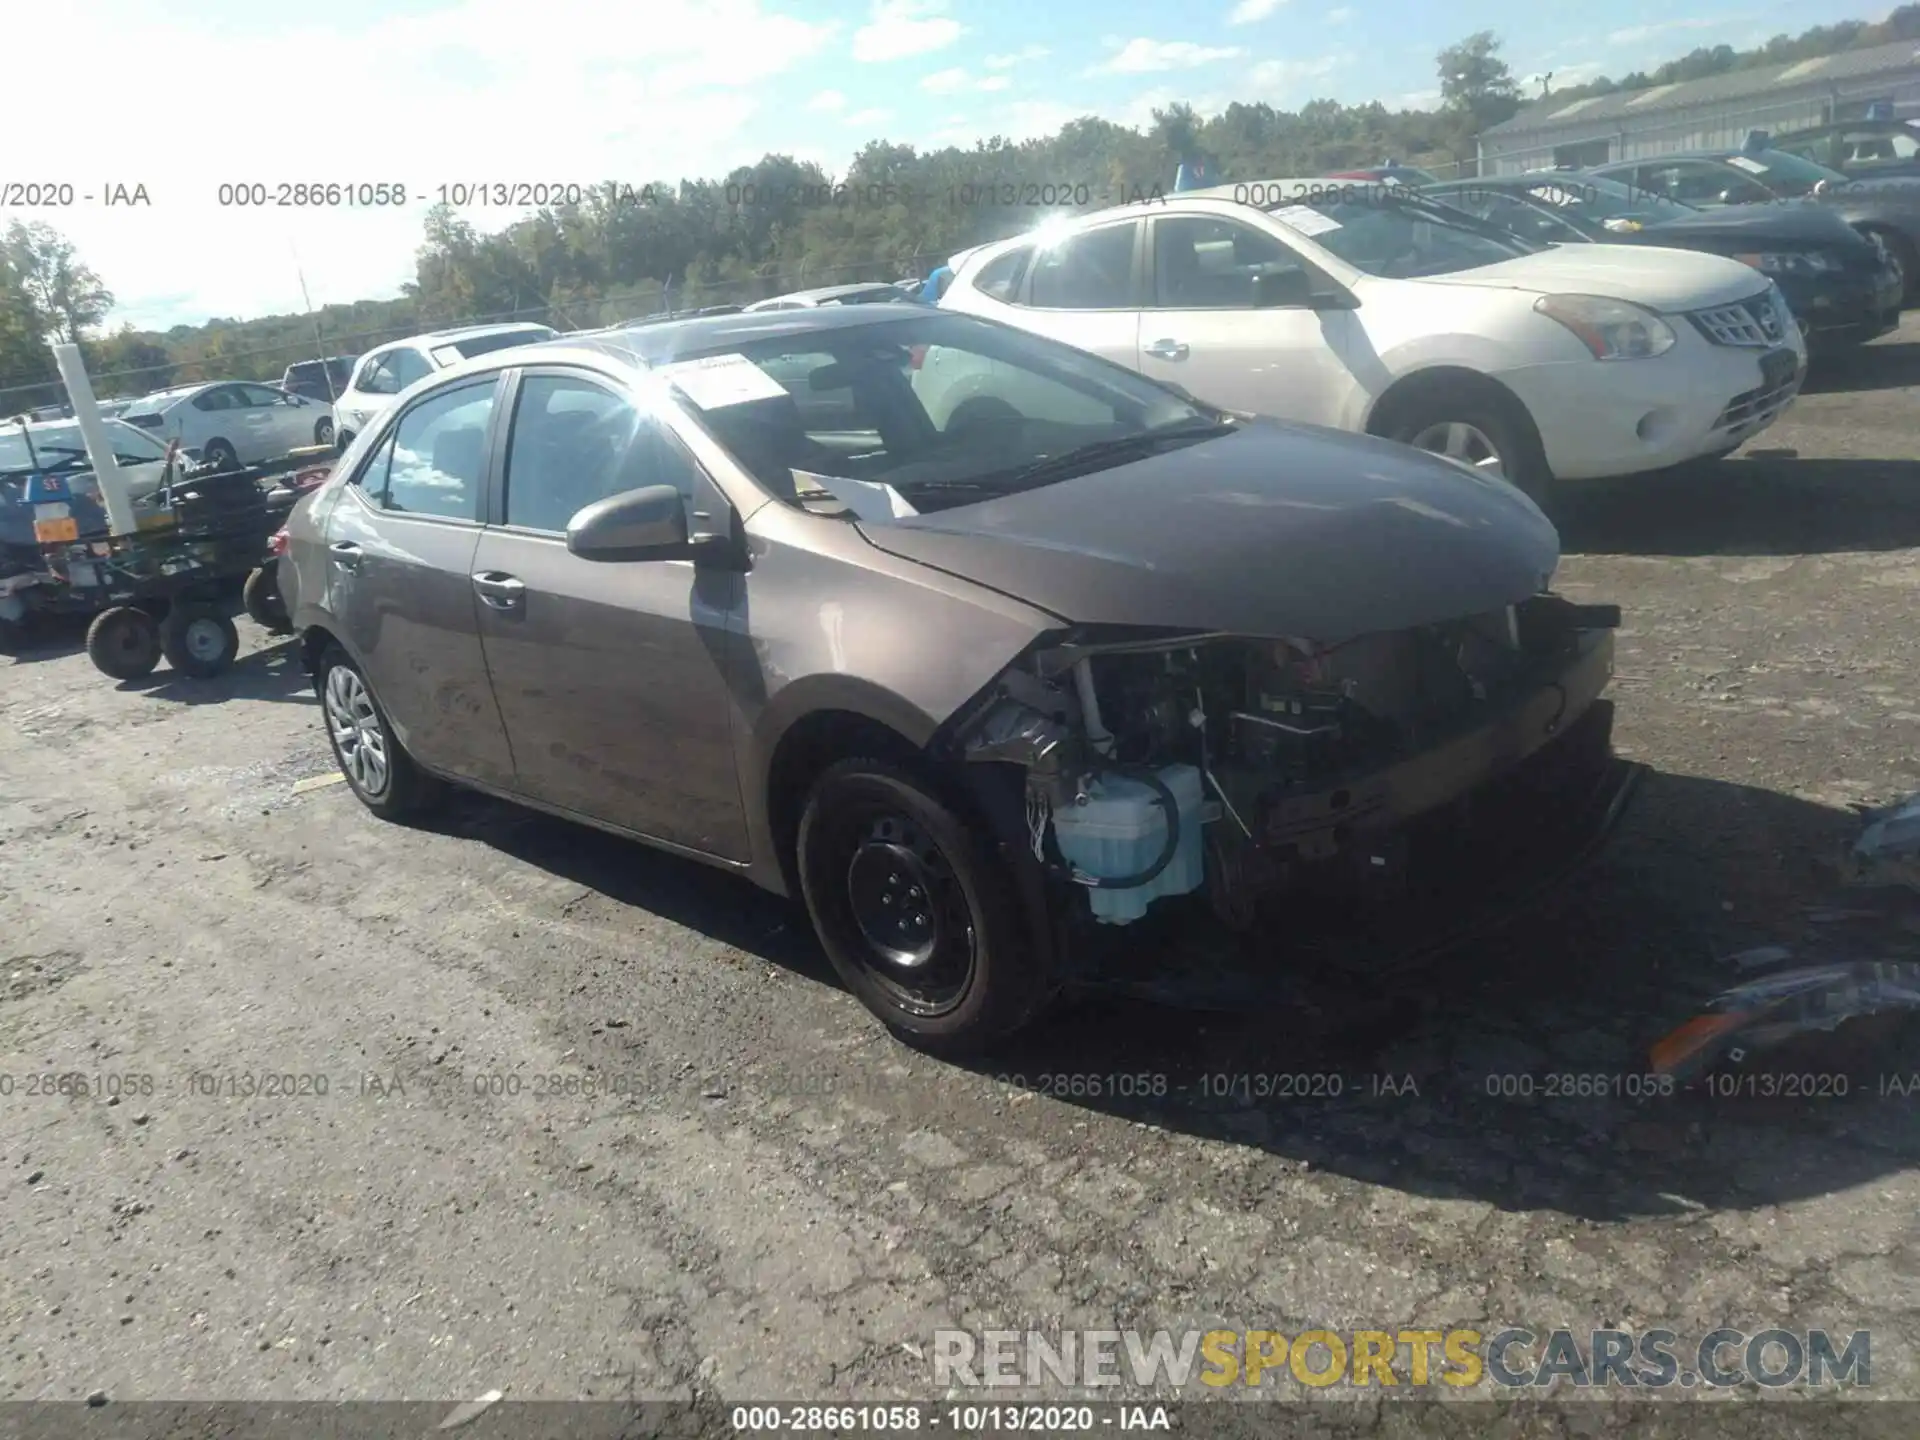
(421, 92)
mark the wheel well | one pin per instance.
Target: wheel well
(809, 746)
(314, 642)
(1411, 389)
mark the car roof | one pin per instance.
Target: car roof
(662, 342)
(458, 332)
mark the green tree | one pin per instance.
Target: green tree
(68, 296)
(1475, 81)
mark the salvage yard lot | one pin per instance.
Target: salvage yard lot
(767, 1198)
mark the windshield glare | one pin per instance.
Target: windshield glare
(1789, 174)
(1400, 239)
(943, 408)
(1595, 199)
(61, 446)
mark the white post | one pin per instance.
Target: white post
(93, 430)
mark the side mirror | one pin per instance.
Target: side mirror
(645, 524)
(1289, 288)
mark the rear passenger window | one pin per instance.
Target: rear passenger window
(439, 448)
(1000, 279)
(1089, 271)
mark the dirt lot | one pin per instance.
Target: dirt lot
(780, 1202)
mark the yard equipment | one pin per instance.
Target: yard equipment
(167, 590)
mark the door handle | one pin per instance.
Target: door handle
(1167, 350)
(345, 554)
(502, 592)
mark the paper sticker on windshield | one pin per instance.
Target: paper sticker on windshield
(721, 380)
(1752, 167)
(1306, 219)
(1554, 195)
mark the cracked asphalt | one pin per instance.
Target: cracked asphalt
(598, 1123)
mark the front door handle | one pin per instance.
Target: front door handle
(345, 554)
(1167, 350)
(502, 592)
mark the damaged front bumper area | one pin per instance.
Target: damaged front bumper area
(1213, 815)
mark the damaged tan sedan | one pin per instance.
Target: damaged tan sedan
(993, 652)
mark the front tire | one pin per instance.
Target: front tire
(917, 916)
(377, 769)
(198, 640)
(124, 643)
(220, 455)
(1901, 254)
(1474, 428)
(323, 432)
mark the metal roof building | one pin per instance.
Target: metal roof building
(1701, 114)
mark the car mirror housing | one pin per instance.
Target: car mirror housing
(645, 524)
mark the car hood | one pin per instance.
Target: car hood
(1789, 224)
(1669, 280)
(1278, 529)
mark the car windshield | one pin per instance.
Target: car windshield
(943, 408)
(60, 447)
(1785, 174)
(1591, 201)
(1390, 232)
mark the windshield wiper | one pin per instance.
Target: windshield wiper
(1115, 448)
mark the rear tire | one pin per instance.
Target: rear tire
(219, 455)
(918, 918)
(264, 603)
(323, 432)
(1466, 419)
(124, 643)
(199, 640)
(378, 771)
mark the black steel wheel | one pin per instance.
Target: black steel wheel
(264, 603)
(124, 642)
(220, 455)
(914, 912)
(199, 639)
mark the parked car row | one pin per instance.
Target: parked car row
(233, 423)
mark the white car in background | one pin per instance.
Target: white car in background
(1365, 307)
(233, 422)
(382, 374)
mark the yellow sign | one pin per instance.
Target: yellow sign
(54, 532)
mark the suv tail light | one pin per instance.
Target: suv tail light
(277, 546)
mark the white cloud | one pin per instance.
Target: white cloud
(868, 117)
(958, 82)
(1142, 57)
(1018, 57)
(1247, 12)
(902, 28)
(1284, 77)
(1635, 34)
(659, 100)
(1414, 100)
(1339, 15)
(828, 100)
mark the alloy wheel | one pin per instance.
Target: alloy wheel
(354, 725)
(1468, 444)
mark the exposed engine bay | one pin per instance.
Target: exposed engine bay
(1248, 768)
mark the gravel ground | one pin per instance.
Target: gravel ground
(765, 1197)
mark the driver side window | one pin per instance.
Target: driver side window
(1202, 263)
(574, 442)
